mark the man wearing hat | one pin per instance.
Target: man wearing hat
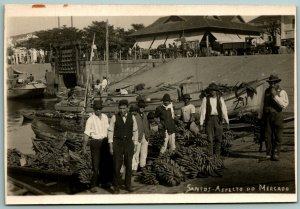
(140, 156)
(213, 111)
(275, 101)
(96, 131)
(165, 114)
(187, 111)
(122, 139)
(97, 87)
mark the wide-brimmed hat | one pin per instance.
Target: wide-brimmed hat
(141, 104)
(123, 102)
(213, 87)
(274, 78)
(166, 98)
(97, 105)
(186, 96)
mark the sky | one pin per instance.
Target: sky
(23, 25)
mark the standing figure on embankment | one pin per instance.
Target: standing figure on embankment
(212, 111)
(275, 100)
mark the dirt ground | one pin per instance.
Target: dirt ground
(246, 170)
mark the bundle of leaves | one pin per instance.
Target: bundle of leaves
(82, 165)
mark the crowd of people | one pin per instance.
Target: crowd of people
(128, 131)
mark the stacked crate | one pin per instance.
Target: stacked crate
(67, 60)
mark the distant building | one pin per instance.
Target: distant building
(203, 34)
(285, 28)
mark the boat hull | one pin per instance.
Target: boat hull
(26, 92)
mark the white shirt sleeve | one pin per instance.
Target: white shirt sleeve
(193, 109)
(202, 111)
(135, 131)
(282, 99)
(111, 129)
(88, 127)
(224, 110)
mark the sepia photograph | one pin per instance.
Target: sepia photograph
(131, 104)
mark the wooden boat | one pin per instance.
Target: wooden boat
(26, 90)
(241, 100)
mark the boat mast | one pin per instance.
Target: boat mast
(107, 52)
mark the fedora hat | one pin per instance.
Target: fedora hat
(186, 96)
(213, 87)
(166, 98)
(97, 105)
(274, 78)
(141, 104)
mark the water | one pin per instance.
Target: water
(19, 134)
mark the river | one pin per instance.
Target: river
(19, 133)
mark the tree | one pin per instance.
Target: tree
(273, 28)
(137, 27)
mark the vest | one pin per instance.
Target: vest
(143, 125)
(123, 131)
(166, 119)
(219, 108)
(269, 104)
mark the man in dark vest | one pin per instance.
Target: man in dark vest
(122, 139)
(275, 100)
(213, 110)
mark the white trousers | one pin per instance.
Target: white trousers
(140, 156)
(169, 140)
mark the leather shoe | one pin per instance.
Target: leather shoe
(94, 190)
(275, 158)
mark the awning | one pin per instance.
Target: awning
(227, 38)
(158, 41)
(194, 36)
(143, 43)
(171, 39)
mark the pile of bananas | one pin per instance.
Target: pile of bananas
(227, 138)
(168, 172)
(82, 165)
(148, 176)
(197, 163)
(13, 157)
(156, 140)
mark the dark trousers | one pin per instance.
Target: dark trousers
(214, 131)
(123, 150)
(95, 145)
(273, 122)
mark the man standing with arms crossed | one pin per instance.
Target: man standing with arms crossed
(275, 101)
(122, 139)
(213, 110)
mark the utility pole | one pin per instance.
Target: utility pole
(58, 21)
(107, 52)
(72, 21)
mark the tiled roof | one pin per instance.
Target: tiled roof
(180, 23)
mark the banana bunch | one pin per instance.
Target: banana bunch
(168, 172)
(13, 157)
(157, 139)
(227, 138)
(148, 177)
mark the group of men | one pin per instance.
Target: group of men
(128, 131)
(100, 87)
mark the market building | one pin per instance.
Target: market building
(203, 35)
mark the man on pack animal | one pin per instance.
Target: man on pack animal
(122, 139)
(275, 101)
(213, 111)
(95, 131)
(165, 114)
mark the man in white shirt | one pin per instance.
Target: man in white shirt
(96, 131)
(122, 139)
(98, 85)
(213, 111)
(275, 101)
(104, 84)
